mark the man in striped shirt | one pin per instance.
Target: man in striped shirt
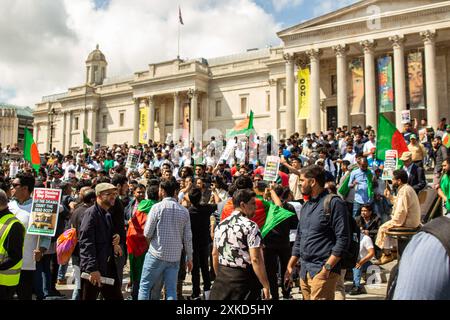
(167, 229)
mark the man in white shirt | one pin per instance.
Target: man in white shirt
(370, 147)
(366, 253)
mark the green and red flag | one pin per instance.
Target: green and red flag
(389, 138)
(30, 151)
(267, 215)
(136, 242)
(244, 127)
(446, 140)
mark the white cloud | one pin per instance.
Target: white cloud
(280, 5)
(45, 43)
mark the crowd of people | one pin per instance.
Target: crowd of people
(184, 208)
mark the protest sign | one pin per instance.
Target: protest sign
(390, 164)
(133, 159)
(226, 154)
(272, 168)
(44, 212)
(406, 116)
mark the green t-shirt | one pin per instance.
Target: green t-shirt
(445, 187)
(108, 164)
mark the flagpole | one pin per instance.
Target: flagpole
(179, 30)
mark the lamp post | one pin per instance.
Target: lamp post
(51, 119)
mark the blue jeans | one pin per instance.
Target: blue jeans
(357, 273)
(155, 270)
(62, 270)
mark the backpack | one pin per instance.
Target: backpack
(439, 228)
(351, 255)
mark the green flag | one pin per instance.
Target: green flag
(30, 151)
(274, 216)
(344, 189)
(244, 127)
(86, 139)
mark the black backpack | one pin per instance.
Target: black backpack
(439, 228)
(351, 255)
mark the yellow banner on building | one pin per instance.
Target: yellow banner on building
(143, 114)
(303, 93)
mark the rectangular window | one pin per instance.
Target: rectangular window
(267, 100)
(157, 116)
(218, 108)
(104, 119)
(121, 119)
(75, 125)
(333, 85)
(284, 96)
(244, 105)
(199, 111)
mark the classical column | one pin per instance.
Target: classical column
(399, 78)
(68, 132)
(93, 124)
(290, 94)
(429, 38)
(193, 116)
(314, 56)
(369, 82)
(63, 133)
(35, 132)
(136, 121)
(151, 118)
(342, 101)
(176, 116)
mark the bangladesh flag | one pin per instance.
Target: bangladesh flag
(137, 244)
(267, 215)
(389, 138)
(244, 127)
(344, 189)
(446, 140)
(30, 151)
(86, 139)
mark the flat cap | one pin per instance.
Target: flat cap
(104, 187)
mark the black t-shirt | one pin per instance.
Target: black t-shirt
(75, 221)
(200, 222)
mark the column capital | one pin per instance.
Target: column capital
(150, 99)
(368, 45)
(397, 41)
(176, 94)
(314, 54)
(302, 62)
(428, 36)
(192, 93)
(340, 50)
(288, 57)
(272, 82)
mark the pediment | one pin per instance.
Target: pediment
(357, 10)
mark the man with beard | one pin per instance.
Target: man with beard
(319, 245)
(444, 187)
(96, 247)
(405, 213)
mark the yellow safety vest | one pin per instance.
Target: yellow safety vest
(11, 276)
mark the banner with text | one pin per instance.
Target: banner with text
(133, 159)
(143, 125)
(303, 93)
(385, 84)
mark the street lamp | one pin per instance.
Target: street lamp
(51, 119)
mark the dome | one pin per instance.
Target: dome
(96, 55)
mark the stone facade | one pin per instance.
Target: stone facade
(155, 103)
(13, 121)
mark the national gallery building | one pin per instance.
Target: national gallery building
(343, 68)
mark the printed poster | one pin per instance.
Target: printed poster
(385, 84)
(44, 212)
(416, 87)
(143, 114)
(356, 89)
(133, 159)
(390, 164)
(272, 168)
(406, 116)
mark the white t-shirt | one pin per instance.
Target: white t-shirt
(365, 245)
(368, 146)
(351, 157)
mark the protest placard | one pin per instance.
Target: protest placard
(133, 159)
(226, 154)
(406, 116)
(44, 212)
(272, 168)
(390, 164)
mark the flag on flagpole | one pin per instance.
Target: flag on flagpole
(86, 139)
(180, 16)
(30, 151)
(244, 127)
(389, 138)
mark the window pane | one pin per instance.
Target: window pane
(267, 101)
(244, 105)
(218, 108)
(121, 120)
